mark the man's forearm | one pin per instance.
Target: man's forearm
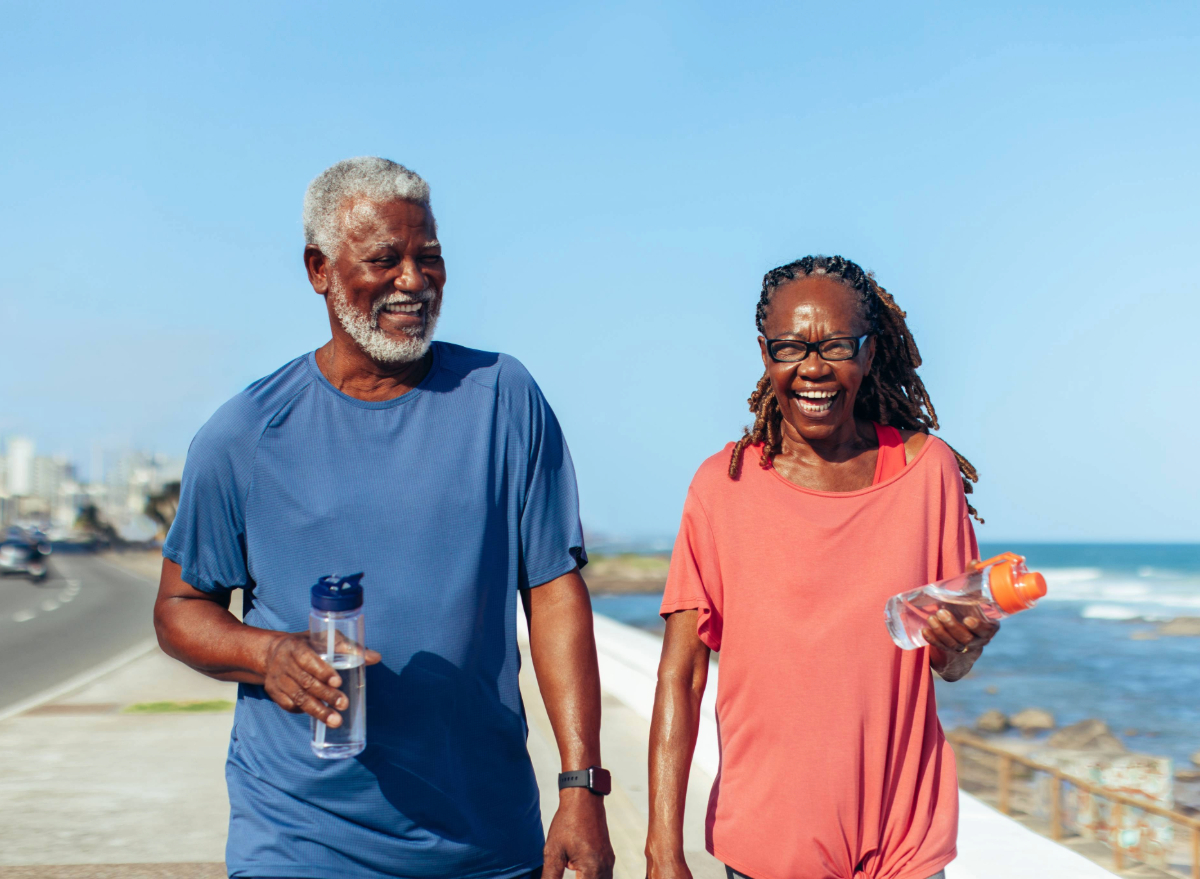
(210, 639)
(563, 647)
(199, 631)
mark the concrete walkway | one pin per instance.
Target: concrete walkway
(98, 791)
(96, 787)
(624, 734)
(87, 782)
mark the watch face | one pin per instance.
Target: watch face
(600, 781)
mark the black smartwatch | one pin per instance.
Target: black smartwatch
(595, 779)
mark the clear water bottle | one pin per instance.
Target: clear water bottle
(337, 633)
(993, 589)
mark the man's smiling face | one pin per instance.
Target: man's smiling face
(384, 286)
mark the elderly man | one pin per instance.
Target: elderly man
(441, 473)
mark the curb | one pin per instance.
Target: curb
(80, 681)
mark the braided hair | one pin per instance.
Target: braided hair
(892, 394)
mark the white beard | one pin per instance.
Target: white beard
(375, 342)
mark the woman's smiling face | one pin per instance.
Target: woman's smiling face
(816, 396)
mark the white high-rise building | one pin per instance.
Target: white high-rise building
(19, 466)
(130, 478)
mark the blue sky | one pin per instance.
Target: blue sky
(611, 183)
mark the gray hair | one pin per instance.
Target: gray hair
(375, 178)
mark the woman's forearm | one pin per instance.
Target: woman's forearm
(672, 741)
(682, 676)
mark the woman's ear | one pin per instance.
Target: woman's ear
(762, 347)
(870, 358)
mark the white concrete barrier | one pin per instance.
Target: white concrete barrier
(990, 845)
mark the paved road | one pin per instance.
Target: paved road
(87, 611)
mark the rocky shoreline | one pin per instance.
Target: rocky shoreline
(1091, 749)
(1179, 627)
(626, 574)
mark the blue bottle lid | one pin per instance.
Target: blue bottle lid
(338, 594)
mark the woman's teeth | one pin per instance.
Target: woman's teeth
(816, 401)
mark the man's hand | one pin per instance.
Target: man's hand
(578, 837)
(298, 680)
(957, 645)
(197, 628)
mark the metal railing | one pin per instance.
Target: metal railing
(1119, 801)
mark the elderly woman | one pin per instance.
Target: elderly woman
(833, 763)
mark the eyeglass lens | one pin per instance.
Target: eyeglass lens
(789, 351)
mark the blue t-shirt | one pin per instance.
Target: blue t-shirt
(450, 498)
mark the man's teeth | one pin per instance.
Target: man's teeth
(403, 307)
(816, 401)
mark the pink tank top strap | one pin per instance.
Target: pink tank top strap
(891, 458)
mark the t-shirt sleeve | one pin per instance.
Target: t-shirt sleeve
(550, 531)
(208, 537)
(694, 579)
(959, 545)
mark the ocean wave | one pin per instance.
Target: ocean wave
(1071, 575)
(1161, 573)
(1109, 612)
(1114, 596)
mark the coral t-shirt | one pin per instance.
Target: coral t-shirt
(833, 763)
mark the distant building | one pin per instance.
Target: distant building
(44, 490)
(130, 480)
(36, 489)
(19, 466)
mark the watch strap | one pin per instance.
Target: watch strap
(594, 778)
(578, 778)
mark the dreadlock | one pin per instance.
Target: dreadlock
(892, 394)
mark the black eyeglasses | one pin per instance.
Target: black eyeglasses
(796, 350)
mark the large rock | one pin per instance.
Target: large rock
(992, 722)
(1182, 627)
(1033, 720)
(1087, 735)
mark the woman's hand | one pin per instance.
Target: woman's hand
(672, 866)
(954, 645)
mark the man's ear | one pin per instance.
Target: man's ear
(317, 267)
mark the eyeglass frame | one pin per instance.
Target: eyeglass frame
(809, 347)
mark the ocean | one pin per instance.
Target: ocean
(1091, 647)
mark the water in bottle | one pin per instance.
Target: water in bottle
(991, 589)
(337, 632)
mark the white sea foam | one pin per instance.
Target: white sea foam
(1161, 573)
(1073, 575)
(1109, 612)
(1149, 594)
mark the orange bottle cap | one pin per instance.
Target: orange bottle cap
(1013, 587)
